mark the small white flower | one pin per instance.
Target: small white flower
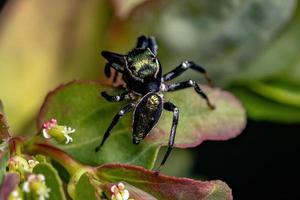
(26, 187)
(66, 132)
(60, 133)
(119, 192)
(32, 163)
(43, 193)
(36, 185)
(15, 195)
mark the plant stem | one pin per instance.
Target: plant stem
(16, 145)
(71, 165)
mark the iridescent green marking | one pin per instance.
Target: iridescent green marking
(144, 64)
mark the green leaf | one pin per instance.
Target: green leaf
(280, 54)
(277, 91)
(84, 189)
(164, 187)
(80, 106)
(52, 180)
(269, 86)
(90, 187)
(4, 156)
(263, 108)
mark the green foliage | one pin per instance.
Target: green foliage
(224, 35)
(84, 189)
(52, 180)
(79, 105)
(4, 156)
(269, 86)
(266, 109)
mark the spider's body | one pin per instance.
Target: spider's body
(145, 87)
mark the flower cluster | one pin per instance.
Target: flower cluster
(119, 192)
(35, 184)
(21, 166)
(58, 132)
(15, 195)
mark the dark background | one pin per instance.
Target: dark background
(261, 163)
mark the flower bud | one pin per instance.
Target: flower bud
(15, 195)
(58, 132)
(19, 165)
(119, 192)
(35, 184)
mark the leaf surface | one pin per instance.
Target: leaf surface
(164, 187)
(52, 180)
(79, 105)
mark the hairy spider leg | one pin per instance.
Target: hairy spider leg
(183, 67)
(121, 97)
(114, 58)
(115, 61)
(115, 120)
(187, 84)
(170, 107)
(144, 42)
(107, 72)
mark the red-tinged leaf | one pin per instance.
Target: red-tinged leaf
(198, 122)
(79, 105)
(164, 187)
(11, 181)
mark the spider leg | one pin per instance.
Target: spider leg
(187, 84)
(114, 58)
(117, 98)
(144, 42)
(115, 120)
(182, 68)
(108, 74)
(170, 107)
(115, 61)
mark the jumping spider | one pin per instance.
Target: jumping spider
(145, 87)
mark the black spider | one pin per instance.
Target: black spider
(145, 87)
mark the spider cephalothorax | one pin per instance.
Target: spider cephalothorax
(145, 86)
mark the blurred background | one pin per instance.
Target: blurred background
(250, 47)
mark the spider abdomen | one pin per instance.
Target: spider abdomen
(146, 115)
